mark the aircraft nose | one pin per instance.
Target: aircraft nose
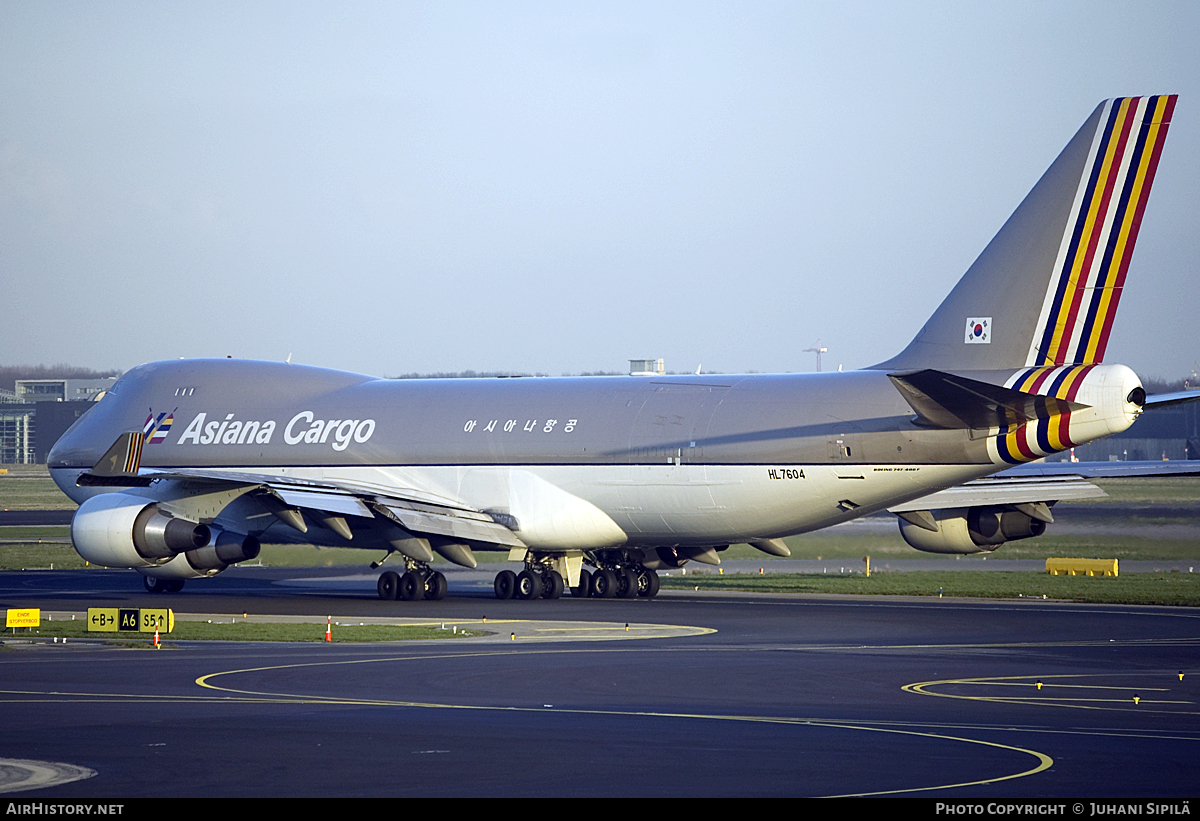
(73, 449)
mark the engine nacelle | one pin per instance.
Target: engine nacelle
(970, 530)
(225, 549)
(122, 530)
(204, 562)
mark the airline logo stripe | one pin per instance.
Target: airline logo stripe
(133, 453)
(1083, 295)
(1087, 233)
(1040, 437)
(156, 430)
(1133, 204)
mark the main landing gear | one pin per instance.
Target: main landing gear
(529, 584)
(416, 583)
(626, 580)
(156, 585)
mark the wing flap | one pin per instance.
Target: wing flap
(457, 524)
(339, 502)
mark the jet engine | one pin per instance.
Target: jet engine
(224, 549)
(122, 530)
(973, 529)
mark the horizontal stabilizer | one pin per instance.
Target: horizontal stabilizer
(945, 400)
(1166, 400)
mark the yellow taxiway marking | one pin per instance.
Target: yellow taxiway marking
(1091, 696)
(1043, 761)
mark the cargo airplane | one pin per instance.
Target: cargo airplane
(596, 483)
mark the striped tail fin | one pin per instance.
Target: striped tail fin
(1090, 271)
(1045, 290)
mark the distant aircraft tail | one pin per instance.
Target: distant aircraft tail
(1045, 290)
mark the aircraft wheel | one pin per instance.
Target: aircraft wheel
(604, 584)
(627, 583)
(154, 584)
(552, 585)
(435, 587)
(648, 584)
(505, 584)
(585, 585)
(529, 585)
(412, 586)
(388, 585)
(175, 585)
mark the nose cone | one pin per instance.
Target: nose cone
(74, 449)
(71, 455)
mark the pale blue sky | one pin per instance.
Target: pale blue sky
(555, 187)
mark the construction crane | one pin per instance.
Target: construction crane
(818, 350)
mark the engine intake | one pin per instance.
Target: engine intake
(122, 530)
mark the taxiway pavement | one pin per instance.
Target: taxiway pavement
(755, 695)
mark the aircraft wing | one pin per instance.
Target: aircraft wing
(1105, 470)
(1044, 482)
(419, 511)
(1006, 488)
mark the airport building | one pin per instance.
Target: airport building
(647, 367)
(62, 390)
(39, 411)
(16, 430)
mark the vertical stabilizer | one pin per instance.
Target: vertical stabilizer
(1045, 290)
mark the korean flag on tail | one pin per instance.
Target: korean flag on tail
(979, 330)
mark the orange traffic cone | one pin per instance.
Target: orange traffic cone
(156, 644)
(329, 628)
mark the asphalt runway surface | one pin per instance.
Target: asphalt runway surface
(703, 695)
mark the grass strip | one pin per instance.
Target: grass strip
(1182, 589)
(249, 631)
